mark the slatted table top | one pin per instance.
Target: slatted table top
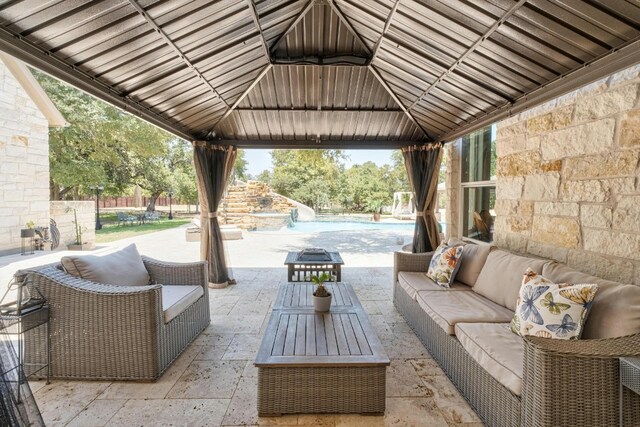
(300, 295)
(298, 336)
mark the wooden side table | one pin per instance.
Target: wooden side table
(629, 378)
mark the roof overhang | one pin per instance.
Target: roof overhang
(346, 73)
(34, 90)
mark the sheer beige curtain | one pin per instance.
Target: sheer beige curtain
(423, 166)
(213, 164)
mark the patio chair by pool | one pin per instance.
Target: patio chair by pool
(152, 216)
(124, 218)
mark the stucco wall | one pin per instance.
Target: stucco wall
(62, 213)
(568, 179)
(24, 163)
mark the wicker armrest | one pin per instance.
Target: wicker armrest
(607, 348)
(173, 273)
(575, 382)
(404, 261)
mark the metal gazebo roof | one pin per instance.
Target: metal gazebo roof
(323, 73)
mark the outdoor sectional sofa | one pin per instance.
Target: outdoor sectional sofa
(507, 379)
(113, 332)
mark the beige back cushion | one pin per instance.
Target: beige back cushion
(473, 259)
(501, 277)
(124, 267)
(615, 311)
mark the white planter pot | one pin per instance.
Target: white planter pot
(322, 304)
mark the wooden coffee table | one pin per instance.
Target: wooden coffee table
(312, 362)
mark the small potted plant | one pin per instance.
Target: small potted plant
(78, 245)
(321, 296)
(375, 206)
(30, 231)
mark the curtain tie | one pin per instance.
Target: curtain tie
(213, 214)
(419, 213)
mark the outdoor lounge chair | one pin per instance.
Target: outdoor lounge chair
(114, 332)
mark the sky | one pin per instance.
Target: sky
(259, 160)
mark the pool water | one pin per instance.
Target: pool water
(320, 226)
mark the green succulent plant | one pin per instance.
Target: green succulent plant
(319, 280)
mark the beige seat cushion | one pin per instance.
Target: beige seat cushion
(615, 311)
(177, 298)
(414, 282)
(501, 277)
(123, 267)
(449, 308)
(473, 259)
(496, 349)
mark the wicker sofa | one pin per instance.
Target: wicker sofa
(508, 380)
(106, 332)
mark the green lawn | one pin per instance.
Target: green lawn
(111, 231)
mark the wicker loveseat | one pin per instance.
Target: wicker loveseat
(108, 332)
(514, 381)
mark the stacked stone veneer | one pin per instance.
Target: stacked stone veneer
(24, 163)
(245, 199)
(568, 179)
(62, 213)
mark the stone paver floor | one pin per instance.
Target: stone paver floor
(214, 381)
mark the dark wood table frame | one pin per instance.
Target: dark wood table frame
(301, 271)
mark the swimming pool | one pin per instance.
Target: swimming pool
(321, 226)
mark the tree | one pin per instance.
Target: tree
(239, 171)
(308, 176)
(264, 176)
(366, 186)
(103, 145)
(399, 178)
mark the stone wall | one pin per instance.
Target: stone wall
(568, 179)
(62, 213)
(24, 163)
(249, 198)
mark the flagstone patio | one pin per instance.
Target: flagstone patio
(214, 381)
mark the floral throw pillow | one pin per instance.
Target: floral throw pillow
(551, 310)
(444, 264)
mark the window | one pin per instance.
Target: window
(478, 182)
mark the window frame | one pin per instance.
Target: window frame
(461, 190)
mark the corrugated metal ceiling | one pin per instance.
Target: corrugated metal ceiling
(377, 70)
